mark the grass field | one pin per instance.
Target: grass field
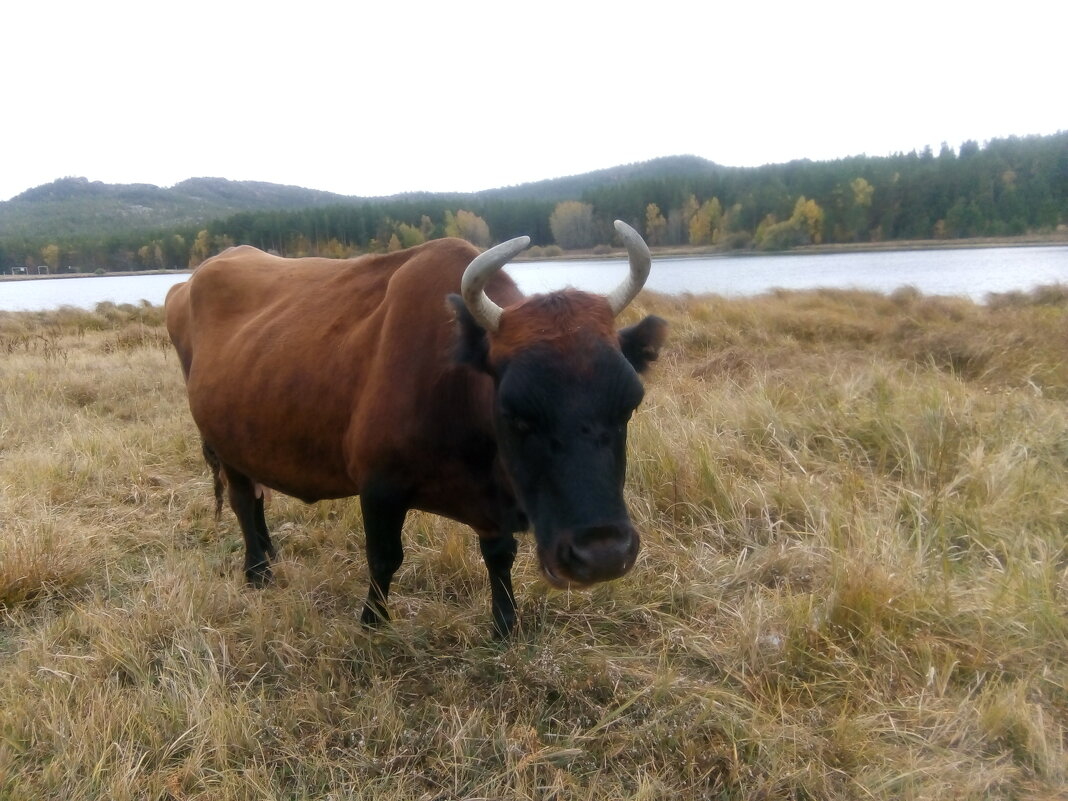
(854, 583)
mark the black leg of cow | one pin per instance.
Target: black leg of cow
(216, 475)
(384, 511)
(498, 552)
(262, 533)
(249, 510)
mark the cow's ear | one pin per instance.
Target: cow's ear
(471, 346)
(641, 342)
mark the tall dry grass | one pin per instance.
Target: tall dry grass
(854, 583)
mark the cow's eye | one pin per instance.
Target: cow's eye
(520, 425)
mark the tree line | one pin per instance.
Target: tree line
(1006, 187)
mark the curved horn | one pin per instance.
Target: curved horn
(472, 286)
(640, 263)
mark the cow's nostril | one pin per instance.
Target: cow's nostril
(570, 556)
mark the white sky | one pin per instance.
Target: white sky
(373, 98)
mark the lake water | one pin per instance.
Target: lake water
(973, 272)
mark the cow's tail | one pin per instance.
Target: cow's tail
(217, 476)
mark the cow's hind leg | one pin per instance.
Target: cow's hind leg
(247, 504)
(384, 510)
(498, 552)
(218, 483)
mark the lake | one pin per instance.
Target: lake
(971, 272)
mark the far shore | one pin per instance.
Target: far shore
(32, 277)
(707, 251)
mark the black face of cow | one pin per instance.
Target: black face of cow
(561, 421)
(562, 435)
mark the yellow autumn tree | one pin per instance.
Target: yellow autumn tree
(206, 245)
(854, 212)
(862, 192)
(467, 225)
(333, 249)
(426, 227)
(572, 225)
(50, 256)
(410, 236)
(705, 223)
(805, 227)
(689, 209)
(809, 217)
(655, 224)
(201, 248)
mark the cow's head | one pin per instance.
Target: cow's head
(566, 385)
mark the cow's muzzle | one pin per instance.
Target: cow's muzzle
(589, 555)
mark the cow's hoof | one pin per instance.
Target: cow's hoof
(373, 617)
(259, 576)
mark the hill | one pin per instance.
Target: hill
(566, 188)
(71, 207)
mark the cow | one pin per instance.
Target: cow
(325, 378)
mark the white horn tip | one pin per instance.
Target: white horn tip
(640, 263)
(513, 246)
(630, 237)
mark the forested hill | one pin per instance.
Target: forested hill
(670, 168)
(73, 207)
(1006, 187)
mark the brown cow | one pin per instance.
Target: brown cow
(326, 378)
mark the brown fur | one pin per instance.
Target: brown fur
(560, 320)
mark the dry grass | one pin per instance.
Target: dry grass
(854, 583)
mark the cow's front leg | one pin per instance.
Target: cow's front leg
(384, 510)
(498, 552)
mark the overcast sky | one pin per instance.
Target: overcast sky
(374, 98)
